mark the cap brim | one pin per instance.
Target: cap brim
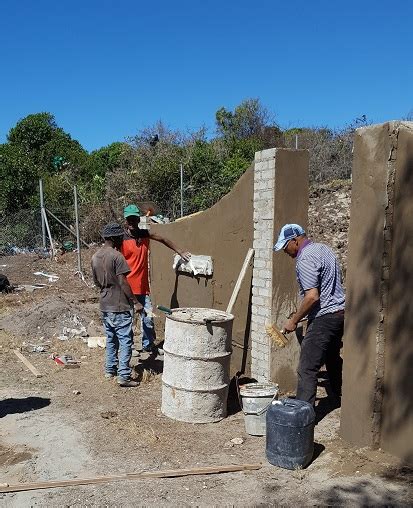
(280, 245)
(130, 215)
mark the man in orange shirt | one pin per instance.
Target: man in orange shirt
(135, 249)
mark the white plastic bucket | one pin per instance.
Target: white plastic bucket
(256, 399)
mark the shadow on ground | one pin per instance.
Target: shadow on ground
(361, 493)
(148, 368)
(14, 406)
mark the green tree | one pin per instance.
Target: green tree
(18, 176)
(248, 119)
(39, 136)
(34, 145)
(100, 164)
(33, 131)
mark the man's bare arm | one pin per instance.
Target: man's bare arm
(123, 281)
(311, 297)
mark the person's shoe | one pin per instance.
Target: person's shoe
(109, 375)
(152, 350)
(129, 383)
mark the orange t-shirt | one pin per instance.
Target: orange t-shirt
(136, 252)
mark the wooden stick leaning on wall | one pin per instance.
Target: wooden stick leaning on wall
(241, 276)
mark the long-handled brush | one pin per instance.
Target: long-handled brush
(279, 337)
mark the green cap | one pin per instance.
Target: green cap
(131, 210)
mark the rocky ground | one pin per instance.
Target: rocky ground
(72, 423)
(329, 216)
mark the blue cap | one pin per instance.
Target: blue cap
(287, 233)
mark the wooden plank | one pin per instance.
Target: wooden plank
(172, 473)
(241, 276)
(31, 367)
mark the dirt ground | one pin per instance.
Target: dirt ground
(73, 423)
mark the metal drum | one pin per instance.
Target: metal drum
(197, 353)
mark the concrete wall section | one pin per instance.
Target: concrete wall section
(291, 206)
(377, 383)
(397, 412)
(224, 232)
(280, 195)
(363, 283)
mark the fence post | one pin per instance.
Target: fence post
(182, 189)
(79, 260)
(42, 213)
(46, 222)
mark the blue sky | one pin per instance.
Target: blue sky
(106, 69)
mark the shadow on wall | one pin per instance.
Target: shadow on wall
(398, 379)
(200, 281)
(378, 348)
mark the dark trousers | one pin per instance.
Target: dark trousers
(321, 345)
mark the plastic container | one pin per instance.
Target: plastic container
(256, 398)
(290, 433)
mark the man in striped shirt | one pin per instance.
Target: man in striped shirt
(323, 301)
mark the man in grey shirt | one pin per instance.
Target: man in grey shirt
(323, 301)
(109, 269)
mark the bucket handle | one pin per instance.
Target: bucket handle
(261, 411)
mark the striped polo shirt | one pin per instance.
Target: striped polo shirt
(317, 267)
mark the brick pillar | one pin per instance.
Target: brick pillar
(280, 196)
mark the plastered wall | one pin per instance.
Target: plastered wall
(280, 196)
(224, 232)
(377, 405)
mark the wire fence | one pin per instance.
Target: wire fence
(330, 159)
(22, 232)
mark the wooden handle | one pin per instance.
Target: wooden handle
(241, 276)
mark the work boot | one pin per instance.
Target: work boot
(110, 375)
(127, 383)
(153, 350)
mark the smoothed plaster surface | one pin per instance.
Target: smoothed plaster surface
(377, 401)
(397, 412)
(225, 232)
(290, 206)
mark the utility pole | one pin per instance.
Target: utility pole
(182, 189)
(79, 261)
(42, 213)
